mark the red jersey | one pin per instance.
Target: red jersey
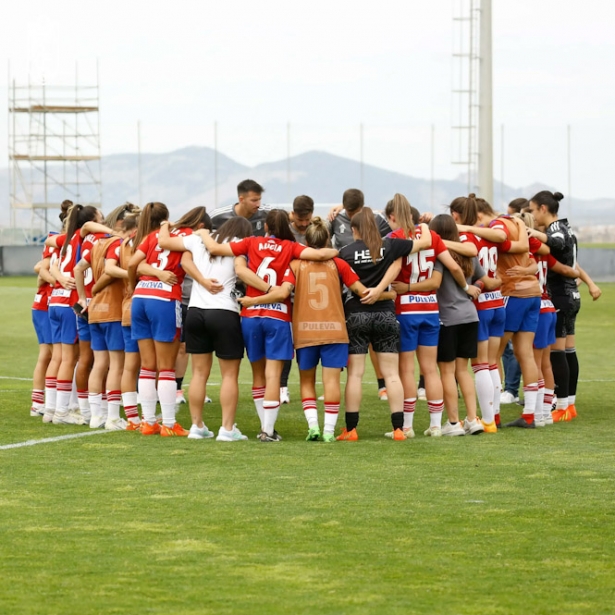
(43, 292)
(545, 262)
(62, 297)
(164, 260)
(86, 253)
(488, 259)
(416, 268)
(269, 258)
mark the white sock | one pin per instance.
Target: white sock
(258, 395)
(84, 404)
(310, 411)
(494, 372)
(51, 395)
(270, 411)
(63, 396)
(113, 401)
(436, 407)
(148, 395)
(332, 411)
(130, 406)
(94, 401)
(409, 408)
(530, 395)
(562, 403)
(167, 392)
(572, 399)
(104, 405)
(484, 391)
(540, 399)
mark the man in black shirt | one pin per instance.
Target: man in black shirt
(248, 206)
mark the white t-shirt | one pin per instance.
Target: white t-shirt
(221, 268)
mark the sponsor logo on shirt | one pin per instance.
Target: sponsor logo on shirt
(320, 326)
(273, 307)
(153, 284)
(408, 299)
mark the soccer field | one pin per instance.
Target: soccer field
(522, 521)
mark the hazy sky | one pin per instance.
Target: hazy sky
(325, 67)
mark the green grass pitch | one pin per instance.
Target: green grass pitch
(516, 522)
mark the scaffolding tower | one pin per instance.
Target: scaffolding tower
(54, 149)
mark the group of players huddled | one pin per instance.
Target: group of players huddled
(115, 328)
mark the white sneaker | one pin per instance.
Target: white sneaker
(48, 416)
(284, 396)
(548, 419)
(200, 433)
(539, 420)
(506, 397)
(73, 407)
(179, 398)
(115, 425)
(64, 418)
(79, 418)
(452, 430)
(234, 435)
(434, 431)
(36, 412)
(96, 422)
(474, 427)
(421, 394)
(208, 400)
(408, 432)
(321, 398)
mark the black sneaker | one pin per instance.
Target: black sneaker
(521, 422)
(265, 437)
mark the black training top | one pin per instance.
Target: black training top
(370, 274)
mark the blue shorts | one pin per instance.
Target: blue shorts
(152, 319)
(83, 329)
(107, 336)
(267, 338)
(545, 333)
(330, 355)
(63, 323)
(491, 323)
(522, 314)
(130, 345)
(40, 320)
(418, 330)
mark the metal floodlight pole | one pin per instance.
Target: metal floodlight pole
(361, 153)
(289, 196)
(569, 152)
(485, 110)
(139, 163)
(215, 164)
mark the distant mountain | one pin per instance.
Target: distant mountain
(185, 178)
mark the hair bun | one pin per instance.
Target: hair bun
(558, 196)
(471, 195)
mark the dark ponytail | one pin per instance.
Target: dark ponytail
(76, 217)
(278, 225)
(549, 199)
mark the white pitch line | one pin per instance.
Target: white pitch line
(56, 439)
(13, 378)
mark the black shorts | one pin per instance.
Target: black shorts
(567, 309)
(458, 342)
(216, 331)
(184, 314)
(380, 329)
